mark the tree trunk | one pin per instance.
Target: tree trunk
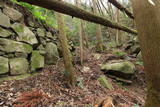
(74, 11)
(69, 71)
(147, 17)
(81, 36)
(117, 31)
(99, 44)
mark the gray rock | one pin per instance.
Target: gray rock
(19, 66)
(4, 20)
(43, 41)
(4, 66)
(4, 33)
(10, 55)
(49, 35)
(24, 34)
(41, 49)
(52, 55)
(21, 55)
(37, 60)
(7, 45)
(41, 32)
(120, 68)
(12, 13)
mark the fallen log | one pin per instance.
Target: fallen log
(120, 7)
(69, 9)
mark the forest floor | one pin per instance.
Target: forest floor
(48, 89)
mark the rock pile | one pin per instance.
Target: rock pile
(24, 48)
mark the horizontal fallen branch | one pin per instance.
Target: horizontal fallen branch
(69, 9)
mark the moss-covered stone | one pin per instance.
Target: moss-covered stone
(105, 83)
(19, 66)
(52, 55)
(125, 67)
(49, 35)
(41, 32)
(37, 60)
(4, 20)
(24, 34)
(4, 67)
(7, 45)
(4, 32)
(12, 13)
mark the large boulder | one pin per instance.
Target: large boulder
(123, 69)
(4, 66)
(37, 60)
(52, 55)
(4, 33)
(7, 45)
(12, 13)
(4, 20)
(19, 66)
(24, 34)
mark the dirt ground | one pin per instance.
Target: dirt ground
(48, 89)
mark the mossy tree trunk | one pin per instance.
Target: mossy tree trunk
(99, 44)
(69, 70)
(147, 17)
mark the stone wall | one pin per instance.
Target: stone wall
(25, 45)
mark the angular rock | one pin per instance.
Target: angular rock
(7, 45)
(49, 35)
(4, 20)
(43, 41)
(21, 55)
(52, 55)
(19, 66)
(123, 69)
(12, 13)
(24, 34)
(4, 66)
(41, 49)
(4, 33)
(37, 60)
(41, 32)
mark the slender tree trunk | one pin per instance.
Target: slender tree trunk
(99, 44)
(81, 36)
(147, 17)
(69, 71)
(117, 31)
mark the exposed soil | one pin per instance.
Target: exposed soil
(50, 85)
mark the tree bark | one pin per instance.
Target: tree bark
(120, 7)
(147, 17)
(74, 11)
(69, 71)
